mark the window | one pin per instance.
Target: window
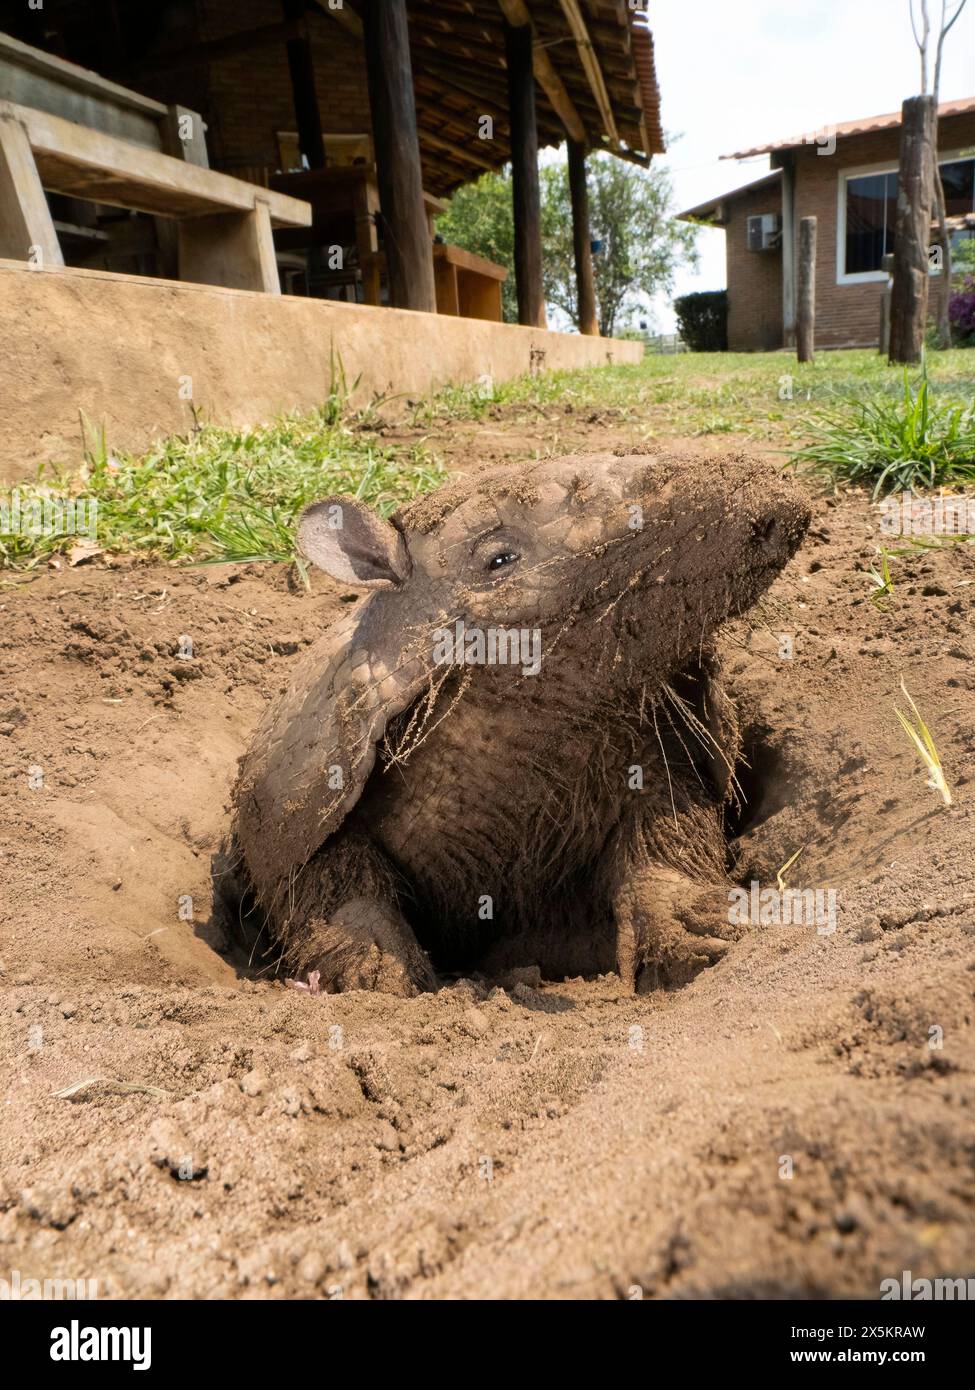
(958, 179)
(868, 212)
(871, 207)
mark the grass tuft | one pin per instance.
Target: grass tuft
(894, 443)
(920, 735)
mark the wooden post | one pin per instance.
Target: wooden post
(524, 175)
(887, 266)
(581, 242)
(365, 204)
(184, 136)
(235, 249)
(806, 291)
(915, 187)
(409, 253)
(302, 69)
(788, 250)
(26, 226)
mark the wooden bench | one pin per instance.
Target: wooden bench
(467, 285)
(224, 225)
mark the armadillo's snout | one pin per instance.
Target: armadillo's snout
(778, 526)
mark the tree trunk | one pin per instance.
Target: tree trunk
(526, 195)
(944, 241)
(581, 239)
(409, 251)
(806, 291)
(909, 299)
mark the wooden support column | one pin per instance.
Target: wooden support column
(912, 234)
(302, 70)
(581, 239)
(235, 249)
(524, 175)
(26, 226)
(806, 291)
(788, 250)
(406, 235)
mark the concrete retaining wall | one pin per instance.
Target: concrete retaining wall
(128, 351)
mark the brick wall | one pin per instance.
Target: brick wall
(248, 98)
(754, 277)
(846, 315)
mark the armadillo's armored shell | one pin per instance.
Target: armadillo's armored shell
(315, 748)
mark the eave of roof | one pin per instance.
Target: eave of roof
(864, 126)
(459, 73)
(708, 212)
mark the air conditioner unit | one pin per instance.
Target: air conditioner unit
(764, 231)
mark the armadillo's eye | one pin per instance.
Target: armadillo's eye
(502, 558)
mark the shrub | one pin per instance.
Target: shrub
(961, 311)
(703, 320)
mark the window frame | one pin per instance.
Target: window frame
(870, 277)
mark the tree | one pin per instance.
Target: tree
(631, 214)
(631, 211)
(921, 28)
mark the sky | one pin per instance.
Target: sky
(738, 73)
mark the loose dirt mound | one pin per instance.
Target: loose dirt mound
(233, 1137)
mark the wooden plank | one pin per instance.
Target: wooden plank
(26, 228)
(467, 260)
(463, 154)
(88, 163)
(591, 67)
(526, 196)
(33, 78)
(234, 249)
(448, 294)
(184, 136)
(406, 238)
(479, 296)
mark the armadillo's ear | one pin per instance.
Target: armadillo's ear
(347, 540)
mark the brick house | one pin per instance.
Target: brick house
(845, 176)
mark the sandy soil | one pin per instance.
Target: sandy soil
(233, 1138)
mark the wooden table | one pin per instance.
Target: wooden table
(345, 202)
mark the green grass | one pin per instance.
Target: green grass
(226, 495)
(233, 494)
(894, 444)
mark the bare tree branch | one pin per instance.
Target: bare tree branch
(921, 40)
(945, 27)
